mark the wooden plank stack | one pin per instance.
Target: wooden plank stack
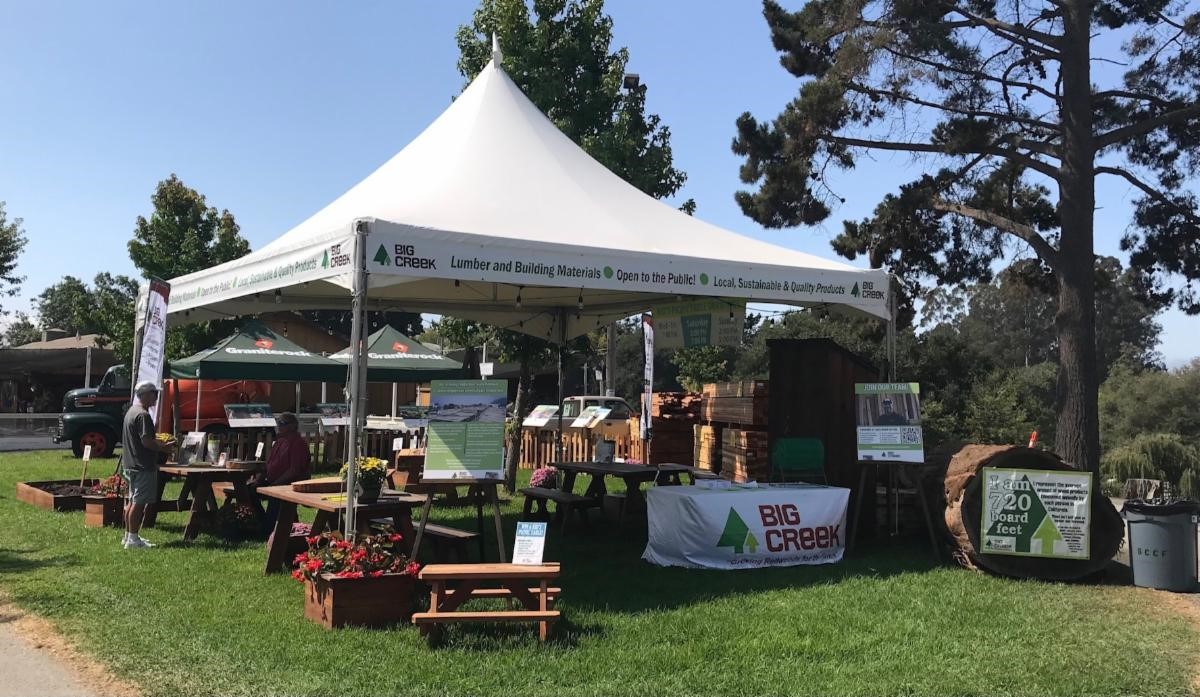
(744, 455)
(671, 406)
(673, 416)
(739, 403)
(706, 447)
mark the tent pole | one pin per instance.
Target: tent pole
(87, 367)
(610, 362)
(297, 398)
(357, 372)
(395, 398)
(199, 384)
(891, 330)
(562, 361)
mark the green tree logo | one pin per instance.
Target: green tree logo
(737, 535)
(325, 260)
(854, 290)
(381, 257)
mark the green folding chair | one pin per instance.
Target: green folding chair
(798, 460)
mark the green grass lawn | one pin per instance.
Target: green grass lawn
(202, 619)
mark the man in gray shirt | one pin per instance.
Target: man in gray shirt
(139, 461)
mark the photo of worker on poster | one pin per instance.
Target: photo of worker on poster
(889, 421)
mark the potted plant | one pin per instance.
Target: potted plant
(371, 473)
(368, 582)
(104, 504)
(544, 477)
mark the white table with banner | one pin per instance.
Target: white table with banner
(741, 528)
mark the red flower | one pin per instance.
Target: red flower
(312, 540)
(375, 574)
(412, 569)
(395, 537)
(342, 544)
(298, 575)
(300, 559)
(313, 565)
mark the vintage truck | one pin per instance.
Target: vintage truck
(93, 415)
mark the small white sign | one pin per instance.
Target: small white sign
(540, 416)
(397, 444)
(87, 453)
(529, 544)
(259, 450)
(487, 369)
(222, 460)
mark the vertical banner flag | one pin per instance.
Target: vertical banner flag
(1036, 513)
(648, 375)
(466, 429)
(151, 345)
(889, 421)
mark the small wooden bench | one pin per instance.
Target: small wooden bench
(452, 585)
(565, 503)
(449, 544)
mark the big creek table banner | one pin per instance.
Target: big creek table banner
(745, 528)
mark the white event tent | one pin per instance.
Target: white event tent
(493, 214)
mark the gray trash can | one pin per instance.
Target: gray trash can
(1162, 544)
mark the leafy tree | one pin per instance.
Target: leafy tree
(561, 57)
(1165, 456)
(1011, 318)
(115, 298)
(12, 243)
(21, 331)
(1135, 401)
(68, 305)
(184, 235)
(1003, 93)
(703, 364)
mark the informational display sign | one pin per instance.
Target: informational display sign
(334, 414)
(466, 429)
(889, 421)
(1036, 513)
(87, 454)
(487, 369)
(541, 415)
(192, 449)
(591, 417)
(529, 544)
(706, 322)
(249, 415)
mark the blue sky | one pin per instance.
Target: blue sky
(273, 109)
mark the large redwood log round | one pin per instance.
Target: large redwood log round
(964, 508)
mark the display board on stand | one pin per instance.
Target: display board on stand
(466, 430)
(541, 415)
(889, 422)
(334, 414)
(1036, 513)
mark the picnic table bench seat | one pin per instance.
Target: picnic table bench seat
(448, 543)
(452, 585)
(565, 503)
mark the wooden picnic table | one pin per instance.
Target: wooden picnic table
(633, 475)
(396, 505)
(198, 483)
(451, 585)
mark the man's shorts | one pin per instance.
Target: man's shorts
(143, 486)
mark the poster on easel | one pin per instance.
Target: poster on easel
(889, 421)
(334, 414)
(466, 430)
(249, 415)
(541, 415)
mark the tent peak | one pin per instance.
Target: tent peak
(497, 56)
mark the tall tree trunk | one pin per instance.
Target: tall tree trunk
(514, 439)
(1078, 436)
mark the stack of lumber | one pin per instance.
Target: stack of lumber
(744, 455)
(706, 447)
(671, 441)
(676, 405)
(740, 403)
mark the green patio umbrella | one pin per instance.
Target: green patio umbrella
(257, 352)
(393, 357)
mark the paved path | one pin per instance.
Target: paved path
(15, 443)
(28, 670)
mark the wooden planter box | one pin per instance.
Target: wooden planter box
(365, 602)
(99, 511)
(33, 494)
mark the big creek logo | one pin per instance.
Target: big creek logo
(782, 531)
(403, 256)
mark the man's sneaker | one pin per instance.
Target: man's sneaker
(137, 543)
